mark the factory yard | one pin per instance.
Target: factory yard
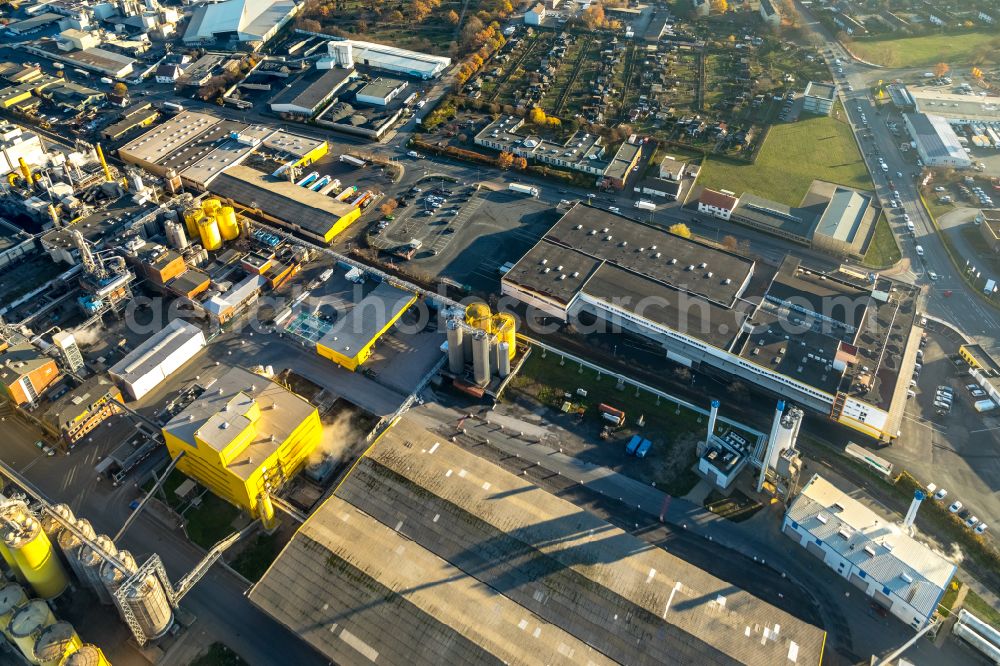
(571, 398)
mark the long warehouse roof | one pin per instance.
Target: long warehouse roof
(151, 353)
(428, 554)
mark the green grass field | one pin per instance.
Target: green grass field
(883, 250)
(958, 50)
(792, 157)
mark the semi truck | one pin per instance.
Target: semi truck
(984, 405)
(172, 107)
(611, 414)
(523, 189)
(645, 205)
(352, 160)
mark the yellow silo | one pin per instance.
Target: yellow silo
(228, 226)
(55, 643)
(8, 511)
(478, 315)
(505, 328)
(35, 556)
(210, 206)
(12, 597)
(86, 655)
(208, 229)
(191, 216)
(27, 624)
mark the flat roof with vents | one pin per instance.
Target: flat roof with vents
(428, 554)
(154, 146)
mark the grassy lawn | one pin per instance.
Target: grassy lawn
(957, 50)
(883, 250)
(793, 156)
(254, 560)
(219, 655)
(978, 606)
(211, 521)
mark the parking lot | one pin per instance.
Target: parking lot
(432, 213)
(954, 448)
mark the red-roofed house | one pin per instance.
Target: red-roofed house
(717, 204)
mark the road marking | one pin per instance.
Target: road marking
(435, 447)
(670, 600)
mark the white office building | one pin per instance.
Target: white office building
(874, 554)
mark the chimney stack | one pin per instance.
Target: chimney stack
(771, 440)
(712, 415)
(911, 514)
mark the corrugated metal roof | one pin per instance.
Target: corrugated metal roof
(873, 543)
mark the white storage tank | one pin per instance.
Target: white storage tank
(27, 624)
(90, 565)
(148, 602)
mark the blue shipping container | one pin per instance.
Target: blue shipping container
(643, 448)
(633, 444)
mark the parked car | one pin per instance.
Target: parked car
(981, 527)
(955, 507)
(971, 522)
(940, 494)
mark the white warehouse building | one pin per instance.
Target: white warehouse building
(346, 53)
(875, 555)
(937, 143)
(145, 367)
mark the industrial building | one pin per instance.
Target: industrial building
(17, 144)
(953, 106)
(877, 556)
(299, 209)
(349, 341)
(350, 52)
(163, 353)
(423, 535)
(199, 147)
(243, 437)
(239, 22)
(831, 218)
(819, 98)
(937, 143)
(25, 372)
(308, 94)
(836, 343)
(83, 407)
(621, 165)
(380, 91)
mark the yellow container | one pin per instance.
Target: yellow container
(211, 205)
(27, 624)
(12, 597)
(208, 229)
(265, 509)
(55, 643)
(228, 226)
(86, 655)
(505, 328)
(37, 559)
(191, 217)
(478, 315)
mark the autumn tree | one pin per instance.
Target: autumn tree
(593, 16)
(389, 206)
(553, 122)
(537, 116)
(520, 163)
(505, 160)
(941, 69)
(452, 17)
(730, 243)
(120, 89)
(680, 229)
(719, 6)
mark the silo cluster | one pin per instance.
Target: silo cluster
(486, 340)
(211, 222)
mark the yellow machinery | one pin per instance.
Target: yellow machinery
(33, 552)
(55, 643)
(27, 625)
(85, 655)
(104, 164)
(228, 226)
(208, 229)
(502, 325)
(265, 509)
(25, 171)
(12, 597)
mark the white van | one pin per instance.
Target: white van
(910, 227)
(920, 250)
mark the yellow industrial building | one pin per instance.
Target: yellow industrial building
(244, 437)
(349, 343)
